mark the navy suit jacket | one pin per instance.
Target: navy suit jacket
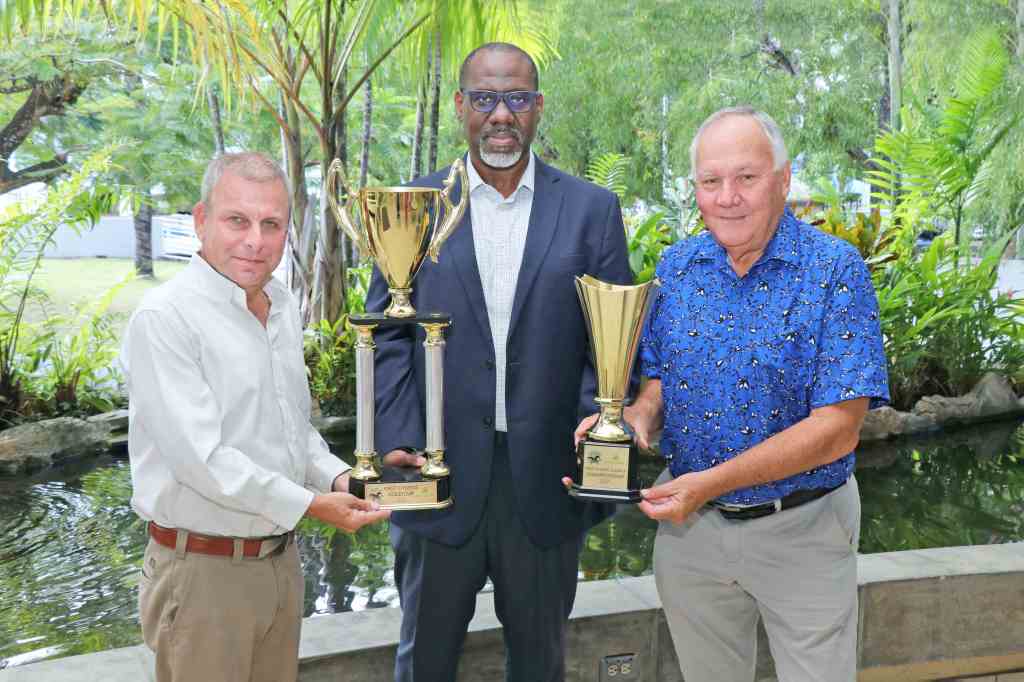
(575, 228)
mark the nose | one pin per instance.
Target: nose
(254, 236)
(728, 194)
(502, 114)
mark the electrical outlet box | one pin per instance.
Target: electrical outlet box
(619, 668)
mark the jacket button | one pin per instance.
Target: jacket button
(488, 420)
(489, 364)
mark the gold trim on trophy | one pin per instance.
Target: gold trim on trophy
(395, 226)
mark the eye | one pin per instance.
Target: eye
(484, 99)
(709, 183)
(748, 178)
(517, 98)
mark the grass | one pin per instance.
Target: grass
(69, 282)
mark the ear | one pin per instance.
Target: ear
(459, 104)
(539, 105)
(787, 176)
(199, 220)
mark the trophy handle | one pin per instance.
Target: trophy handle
(453, 214)
(334, 178)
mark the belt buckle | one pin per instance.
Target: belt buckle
(740, 508)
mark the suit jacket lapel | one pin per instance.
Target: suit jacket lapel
(547, 202)
(462, 253)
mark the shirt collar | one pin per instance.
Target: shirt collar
(784, 244)
(526, 181)
(220, 287)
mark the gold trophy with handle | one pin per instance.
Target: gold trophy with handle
(398, 227)
(607, 459)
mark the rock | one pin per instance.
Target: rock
(30, 447)
(917, 423)
(881, 423)
(941, 409)
(333, 427)
(116, 420)
(994, 395)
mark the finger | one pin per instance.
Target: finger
(567, 482)
(359, 504)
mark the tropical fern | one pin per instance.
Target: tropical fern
(609, 171)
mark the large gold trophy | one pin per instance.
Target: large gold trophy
(607, 459)
(398, 227)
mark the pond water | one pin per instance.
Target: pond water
(70, 545)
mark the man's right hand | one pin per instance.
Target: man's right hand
(345, 511)
(402, 458)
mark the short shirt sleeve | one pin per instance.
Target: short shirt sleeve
(850, 360)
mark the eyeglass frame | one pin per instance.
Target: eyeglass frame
(502, 97)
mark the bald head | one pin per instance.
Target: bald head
(498, 47)
(766, 124)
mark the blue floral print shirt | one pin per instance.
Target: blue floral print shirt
(743, 358)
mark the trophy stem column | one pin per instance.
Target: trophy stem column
(434, 356)
(365, 469)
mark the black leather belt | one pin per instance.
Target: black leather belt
(794, 499)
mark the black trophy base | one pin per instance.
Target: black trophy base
(404, 489)
(607, 472)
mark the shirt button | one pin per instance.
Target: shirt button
(488, 421)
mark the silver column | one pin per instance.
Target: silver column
(434, 361)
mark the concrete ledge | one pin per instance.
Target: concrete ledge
(925, 615)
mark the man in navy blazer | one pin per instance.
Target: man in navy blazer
(506, 276)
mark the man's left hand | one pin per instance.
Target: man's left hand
(674, 500)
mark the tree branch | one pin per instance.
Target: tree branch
(40, 172)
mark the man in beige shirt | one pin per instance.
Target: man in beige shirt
(224, 460)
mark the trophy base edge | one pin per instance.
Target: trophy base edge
(439, 499)
(603, 495)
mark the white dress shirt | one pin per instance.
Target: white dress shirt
(219, 437)
(499, 238)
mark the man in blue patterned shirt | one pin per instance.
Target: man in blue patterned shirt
(762, 355)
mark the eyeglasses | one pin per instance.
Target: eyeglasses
(517, 101)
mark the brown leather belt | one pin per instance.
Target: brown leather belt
(216, 546)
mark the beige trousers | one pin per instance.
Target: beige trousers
(219, 619)
(796, 569)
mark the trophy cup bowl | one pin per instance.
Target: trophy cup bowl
(607, 459)
(398, 227)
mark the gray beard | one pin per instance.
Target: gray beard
(500, 160)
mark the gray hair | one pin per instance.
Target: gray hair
(254, 166)
(771, 130)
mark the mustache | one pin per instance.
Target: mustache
(502, 130)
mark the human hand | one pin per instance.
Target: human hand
(340, 484)
(674, 500)
(347, 512)
(581, 430)
(642, 423)
(402, 458)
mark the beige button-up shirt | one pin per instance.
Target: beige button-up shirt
(499, 238)
(219, 436)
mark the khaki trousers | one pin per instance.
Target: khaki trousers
(218, 619)
(796, 569)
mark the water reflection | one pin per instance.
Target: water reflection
(70, 545)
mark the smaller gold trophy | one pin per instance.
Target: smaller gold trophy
(607, 459)
(398, 227)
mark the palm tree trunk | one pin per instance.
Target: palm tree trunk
(364, 160)
(895, 31)
(435, 101)
(144, 239)
(302, 232)
(417, 139)
(218, 128)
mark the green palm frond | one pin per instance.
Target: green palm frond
(609, 171)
